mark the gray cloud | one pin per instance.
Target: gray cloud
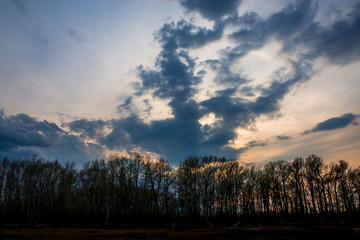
(285, 25)
(296, 28)
(24, 136)
(224, 75)
(173, 138)
(283, 137)
(73, 148)
(292, 20)
(87, 128)
(234, 111)
(173, 79)
(126, 105)
(22, 130)
(247, 91)
(334, 123)
(340, 43)
(182, 135)
(211, 9)
(186, 35)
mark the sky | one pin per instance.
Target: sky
(251, 80)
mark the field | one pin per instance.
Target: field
(162, 232)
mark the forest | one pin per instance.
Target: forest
(200, 189)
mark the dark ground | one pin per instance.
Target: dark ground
(111, 232)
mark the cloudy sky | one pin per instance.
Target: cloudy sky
(253, 80)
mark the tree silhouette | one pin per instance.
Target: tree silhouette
(135, 189)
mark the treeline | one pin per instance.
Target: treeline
(134, 188)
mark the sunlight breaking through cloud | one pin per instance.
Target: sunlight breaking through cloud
(230, 78)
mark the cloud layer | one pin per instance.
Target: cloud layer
(211, 9)
(24, 136)
(173, 77)
(211, 99)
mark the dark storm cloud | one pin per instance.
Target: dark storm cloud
(173, 79)
(285, 25)
(253, 34)
(22, 130)
(238, 112)
(247, 91)
(292, 19)
(87, 128)
(173, 138)
(224, 75)
(295, 26)
(235, 111)
(334, 123)
(211, 9)
(186, 35)
(340, 42)
(181, 135)
(73, 148)
(24, 136)
(232, 111)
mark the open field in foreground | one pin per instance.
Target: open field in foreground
(121, 232)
